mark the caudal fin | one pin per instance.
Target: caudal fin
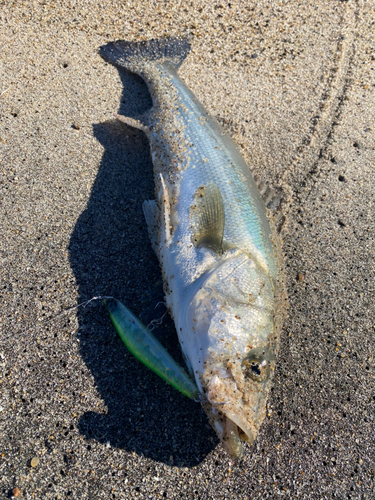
(133, 55)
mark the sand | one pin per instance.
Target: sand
(293, 83)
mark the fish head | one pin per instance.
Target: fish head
(236, 391)
(230, 344)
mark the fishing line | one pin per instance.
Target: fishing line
(151, 326)
(82, 304)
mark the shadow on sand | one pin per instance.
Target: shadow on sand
(110, 254)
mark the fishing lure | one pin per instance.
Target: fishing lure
(147, 349)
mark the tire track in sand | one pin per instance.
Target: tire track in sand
(306, 166)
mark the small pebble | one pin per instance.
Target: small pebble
(76, 126)
(300, 277)
(34, 461)
(16, 492)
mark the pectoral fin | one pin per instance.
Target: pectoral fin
(208, 217)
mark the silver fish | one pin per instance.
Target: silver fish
(219, 253)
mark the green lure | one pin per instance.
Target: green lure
(147, 349)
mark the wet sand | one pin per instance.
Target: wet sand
(293, 83)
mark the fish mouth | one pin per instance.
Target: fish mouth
(230, 429)
(233, 421)
(233, 437)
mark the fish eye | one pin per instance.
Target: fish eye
(257, 367)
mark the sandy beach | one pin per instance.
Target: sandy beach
(294, 84)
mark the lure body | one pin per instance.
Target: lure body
(147, 349)
(220, 255)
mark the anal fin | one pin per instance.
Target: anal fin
(166, 212)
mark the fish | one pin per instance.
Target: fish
(217, 243)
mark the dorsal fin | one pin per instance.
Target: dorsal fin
(208, 217)
(273, 200)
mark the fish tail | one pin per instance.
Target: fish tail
(133, 55)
